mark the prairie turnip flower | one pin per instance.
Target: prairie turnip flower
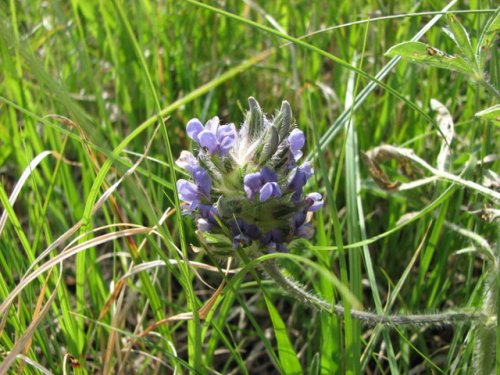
(247, 185)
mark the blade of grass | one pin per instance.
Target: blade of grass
(317, 50)
(288, 356)
(368, 89)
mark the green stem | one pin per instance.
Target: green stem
(292, 288)
(492, 89)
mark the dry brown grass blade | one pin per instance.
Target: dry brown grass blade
(94, 159)
(36, 313)
(117, 293)
(202, 312)
(405, 156)
(34, 364)
(26, 337)
(119, 285)
(65, 255)
(376, 172)
(102, 199)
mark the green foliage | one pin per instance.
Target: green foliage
(94, 98)
(288, 356)
(492, 113)
(471, 58)
(427, 55)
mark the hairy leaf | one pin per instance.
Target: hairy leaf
(460, 36)
(427, 55)
(488, 36)
(492, 113)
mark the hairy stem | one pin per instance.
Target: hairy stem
(292, 288)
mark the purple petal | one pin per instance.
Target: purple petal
(226, 145)
(268, 175)
(297, 154)
(212, 125)
(187, 161)
(270, 189)
(187, 191)
(208, 212)
(202, 181)
(226, 136)
(296, 140)
(297, 220)
(243, 232)
(194, 127)
(314, 201)
(188, 209)
(208, 140)
(249, 230)
(307, 169)
(273, 236)
(297, 180)
(252, 184)
(282, 248)
(226, 131)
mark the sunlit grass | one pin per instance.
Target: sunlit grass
(94, 98)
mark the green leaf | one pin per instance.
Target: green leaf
(288, 357)
(314, 367)
(427, 55)
(459, 34)
(492, 113)
(271, 141)
(255, 118)
(283, 120)
(488, 36)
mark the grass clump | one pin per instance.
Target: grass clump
(100, 272)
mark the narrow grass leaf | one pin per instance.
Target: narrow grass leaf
(288, 356)
(28, 334)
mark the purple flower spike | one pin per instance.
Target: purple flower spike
(249, 181)
(314, 201)
(297, 140)
(270, 189)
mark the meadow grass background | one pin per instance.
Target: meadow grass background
(99, 83)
